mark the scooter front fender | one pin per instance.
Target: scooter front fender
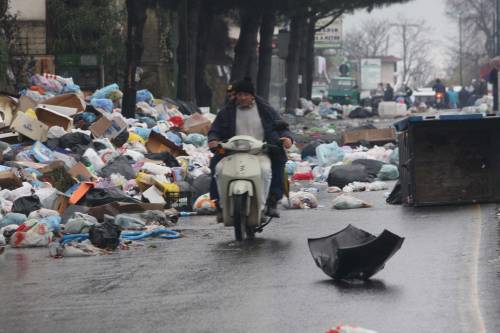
(239, 187)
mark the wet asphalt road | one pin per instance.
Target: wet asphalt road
(444, 279)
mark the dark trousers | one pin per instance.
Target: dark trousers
(277, 182)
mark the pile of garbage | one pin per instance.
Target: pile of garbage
(72, 164)
(342, 170)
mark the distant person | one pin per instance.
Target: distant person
(439, 87)
(388, 93)
(452, 98)
(463, 97)
(380, 89)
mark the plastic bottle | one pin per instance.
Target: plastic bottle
(185, 214)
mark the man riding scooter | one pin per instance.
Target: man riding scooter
(248, 114)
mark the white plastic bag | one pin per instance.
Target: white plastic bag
(345, 201)
(301, 200)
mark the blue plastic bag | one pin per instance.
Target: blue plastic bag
(104, 92)
(102, 103)
(196, 139)
(329, 153)
(174, 138)
(142, 132)
(71, 88)
(144, 95)
(41, 153)
(53, 222)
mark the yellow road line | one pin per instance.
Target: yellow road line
(474, 294)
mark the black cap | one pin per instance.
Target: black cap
(245, 86)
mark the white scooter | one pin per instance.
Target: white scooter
(240, 186)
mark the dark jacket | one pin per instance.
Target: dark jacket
(389, 94)
(224, 126)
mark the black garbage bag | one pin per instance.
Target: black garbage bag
(52, 143)
(361, 128)
(71, 140)
(167, 158)
(26, 205)
(105, 235)
(201, 185)
(121, 139)
(310, 150)
(396, 196)
(372, 166)
(353, 253)
(360, 112)
(120, 165)
(342, 175)
(102, 196)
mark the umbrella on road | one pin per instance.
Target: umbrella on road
(353, 253)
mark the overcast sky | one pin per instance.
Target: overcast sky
(432, 11)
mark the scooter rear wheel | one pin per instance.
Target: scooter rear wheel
(240, 218)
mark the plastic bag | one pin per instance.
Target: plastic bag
(204, 205)
(41, 153)
(394, 157)
(12, 218)
(329, 154)
(102, 103)
(126, 221)
(372, 166)
(32, 235)
(105, 91)
(26, 205)
(388, 172)
(196, 139)
(94, 159)
(79, 223)
(144, 95)
(303, 172)
(345, 201)
(301, 200)
(342, 175)
(360, 186)
(119, 165)
(105, 235)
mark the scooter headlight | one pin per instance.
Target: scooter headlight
(241, 145)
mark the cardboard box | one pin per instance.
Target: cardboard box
(157, 143)
(63, 110)
(197, 123)
(51, 118)
(29, 127)
(9, 180)
(107, 127)
(374, 136)
(67, 100)
(7, 106)
(80, 172)
(25, 103)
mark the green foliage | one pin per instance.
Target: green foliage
(89, 27)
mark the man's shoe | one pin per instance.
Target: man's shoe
(272, 209)
(219, 217)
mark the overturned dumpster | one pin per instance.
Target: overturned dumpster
(450, 159)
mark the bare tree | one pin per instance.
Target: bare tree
(415, 46)
(478, 19)
(369, 40)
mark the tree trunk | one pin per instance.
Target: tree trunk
(207, 19)
(303, 74)
(310, 58)
(293, 62)
(136, 18)
(265, 55)
(189, 15)
(246, 47)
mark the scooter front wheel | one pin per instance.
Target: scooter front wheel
(239, 217)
